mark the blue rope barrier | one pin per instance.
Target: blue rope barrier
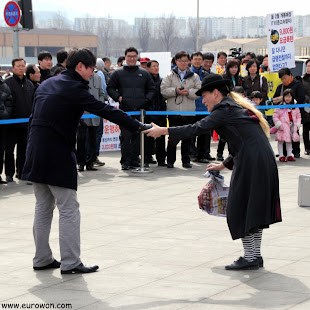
(261, 107)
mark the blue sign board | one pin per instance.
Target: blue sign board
(12, 13)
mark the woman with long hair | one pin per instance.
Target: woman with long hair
(253, 200)
(254, 80)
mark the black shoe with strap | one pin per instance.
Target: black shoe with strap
(242, 264)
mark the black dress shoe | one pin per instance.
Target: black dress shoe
(202, 160)
(134, 166)
(307, 152)
(297, 155)
(125, 167)
(162, 164)
(209, 157)
(80, 269)
(260, 261)
(53, 265)
(243, 264)
(80, 168)
(91, 168)
(9, 179)
(187, 165)
(169, 165)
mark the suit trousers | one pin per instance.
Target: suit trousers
(2, 147)
(130, 146)
(203, 141)
(15, 136)
(47, 196)
(305, 135)
(86, 154)
(177, 120)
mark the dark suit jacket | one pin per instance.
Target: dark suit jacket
(58, 106)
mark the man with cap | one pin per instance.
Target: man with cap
(143, 62)
(253, 200)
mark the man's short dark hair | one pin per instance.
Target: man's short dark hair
(83, 55)
(256, 94)
(219, 54)
(149, 63)
(196, 54)
(61, 55)
(131, 49)
(120, 59)
(307, 61)
(208, 56)
(30, 70)
(252, 55)
(181, 54)
(17, 59)
(44, 54)
(106, 59)
(284, 71)
(238, 89)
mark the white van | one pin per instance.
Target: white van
(300, 62)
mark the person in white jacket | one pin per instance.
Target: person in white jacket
(179, 88)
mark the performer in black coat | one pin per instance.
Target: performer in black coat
(253, 201)
(51, 162)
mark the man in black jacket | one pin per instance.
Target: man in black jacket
(61, 56)
(51, 161)
(133, 88)
(5, 112)
(288, 81)
(158, 103)
(22, 92)
(45, 64)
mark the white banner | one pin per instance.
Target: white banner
(110, 138)
(163, 58)
(280, 37)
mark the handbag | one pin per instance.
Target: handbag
(213, 197)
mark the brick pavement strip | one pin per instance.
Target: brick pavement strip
(154, 247)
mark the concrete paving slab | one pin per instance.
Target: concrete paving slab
(154, 247)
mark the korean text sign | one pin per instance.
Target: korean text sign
(280, 37)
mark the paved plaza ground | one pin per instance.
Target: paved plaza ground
(154, 247)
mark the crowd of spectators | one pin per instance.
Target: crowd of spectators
(136, 84)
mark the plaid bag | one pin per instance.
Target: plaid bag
(213, 196)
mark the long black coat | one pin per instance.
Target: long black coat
(253, 201)
(58, 106)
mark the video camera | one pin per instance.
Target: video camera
(235, 52)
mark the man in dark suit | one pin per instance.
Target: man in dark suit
(51, 162)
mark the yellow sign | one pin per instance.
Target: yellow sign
(273, 81)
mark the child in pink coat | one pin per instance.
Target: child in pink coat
(287, 121)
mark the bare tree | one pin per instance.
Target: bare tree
(59, 21)
(193, 31)
(105, 34)
(144, 34)
(87, 24)
(168, 31)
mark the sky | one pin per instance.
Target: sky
(130, 9)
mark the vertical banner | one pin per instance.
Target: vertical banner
(280, 37)
(110, 138)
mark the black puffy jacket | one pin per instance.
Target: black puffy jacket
(5, 101)
(134, 85)
(22, 92)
